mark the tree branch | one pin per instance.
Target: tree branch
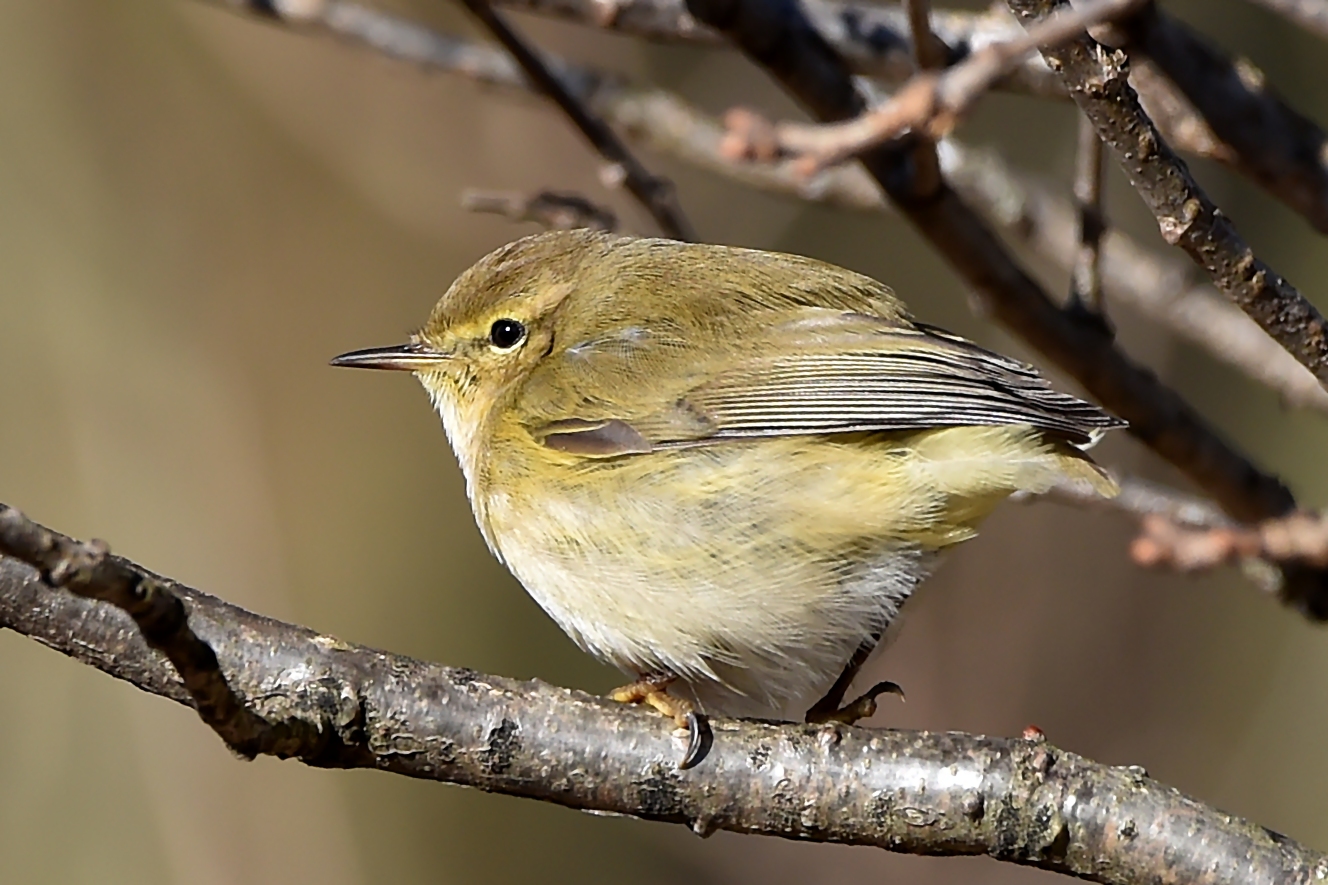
(929, 57)
(1282, 150)
(1096, 77)
(338, 705)
(550, 209)
(90, 571)
(655, 193)
(1187, 533)
(1297, 537)
(931, 105)
(1141, 498)
(874, 40)
(1086, 274)
(1286, 158)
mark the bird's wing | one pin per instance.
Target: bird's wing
(839, 373)
(916, 381)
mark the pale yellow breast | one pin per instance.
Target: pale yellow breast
(771, 558)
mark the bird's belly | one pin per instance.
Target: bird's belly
(744, 587)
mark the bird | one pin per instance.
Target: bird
(723, 470)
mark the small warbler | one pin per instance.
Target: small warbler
(725, 468)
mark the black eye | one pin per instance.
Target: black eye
(506, 334)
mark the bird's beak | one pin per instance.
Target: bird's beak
(401, 357)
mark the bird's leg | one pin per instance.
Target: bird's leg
(652, 689)
(832, 708)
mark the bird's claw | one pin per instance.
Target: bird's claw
(861, 708)
(699, 739)
(653, 690)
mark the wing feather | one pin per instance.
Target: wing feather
(891, 380)
(824, 371)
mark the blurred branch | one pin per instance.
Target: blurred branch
(928, 57)
(1178, 119)
(655, 193)
(1096, 77)
(1086, 274)
(1188, 533)
(1141, 498)
(1278, 147)
(929, 53)
(931, 105)
(550, 209)
(336, 705)
(1297, 537)
(1312, 15)
(875, 40)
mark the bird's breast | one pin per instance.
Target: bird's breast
(707, 562)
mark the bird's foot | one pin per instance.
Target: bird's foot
(850, 713)
(653, 690)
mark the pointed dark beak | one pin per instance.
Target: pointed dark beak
(401, 357)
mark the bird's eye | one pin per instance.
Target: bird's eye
(506, 334)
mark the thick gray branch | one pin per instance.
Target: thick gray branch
(337, 705)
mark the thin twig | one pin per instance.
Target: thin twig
(931, 104)
(655, 193)
(340, 705)
(1139, 498)
(873, 39)
(550, 209)
(1297, 537)
(1096, 77)
(1086, 276)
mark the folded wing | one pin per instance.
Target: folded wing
(836, 372)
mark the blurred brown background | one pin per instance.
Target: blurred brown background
(197, 210)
